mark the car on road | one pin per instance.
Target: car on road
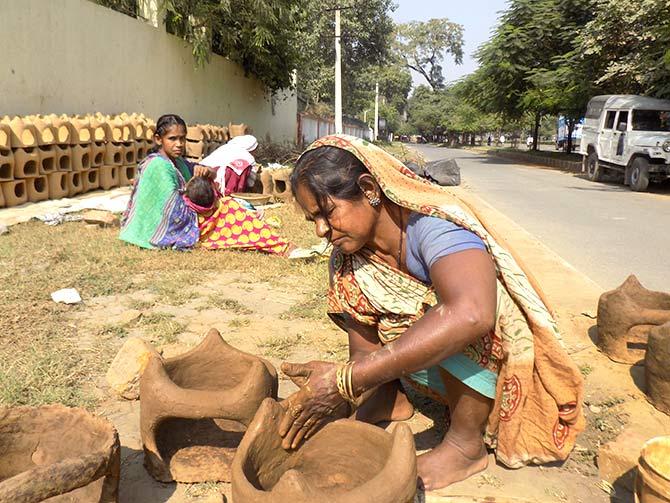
(627, 134)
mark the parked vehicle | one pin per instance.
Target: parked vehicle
(627, 134)
(562, 134)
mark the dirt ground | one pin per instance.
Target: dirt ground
(268, 306)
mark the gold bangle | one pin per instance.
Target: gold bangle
(339, 379)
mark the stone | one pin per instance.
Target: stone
(346, 461)
(625, 316)
(443, 172)
(617, 460)
(194, 409)
(55, 450)
(101, 217)
(657, 367)
(125, 371)
(129, 317)
(3, 229)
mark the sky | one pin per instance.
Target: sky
(478, 18)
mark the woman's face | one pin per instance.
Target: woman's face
(173, 142)
(349, 225)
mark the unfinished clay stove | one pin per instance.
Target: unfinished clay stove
(127, 175)
(625, 316)
(97, 154)
(5, 137)
(23, 133)
(347, 461)
(281, 184)
(63, 157)
(113, 154)
(47, 156)
(237, 130)
(81, 157)
(194, 409)
(657, 367)
(68, 455)
(75, 183)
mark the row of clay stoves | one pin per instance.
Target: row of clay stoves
(207, 415)
(634, 328)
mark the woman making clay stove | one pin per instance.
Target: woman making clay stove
(161, 214)
(427, 295)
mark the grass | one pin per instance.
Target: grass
(114, 330)
(225, 304)
(279, 346)
(311, 309)
(41, 358)
(162, 327)
(585, 369)
(239, 322)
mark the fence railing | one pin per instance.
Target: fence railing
(311, 127)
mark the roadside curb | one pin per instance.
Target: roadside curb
(538, 160)
(573, 295)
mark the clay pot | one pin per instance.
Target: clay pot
(55, 450)
(345, 462)
(38, 189)
(657, 369)
(109, 177)
(6, 166)
(63, 157)
(625, 316)
(58, 187)
(47, 157)
(26, 162)
(194, 409)
(14, 193)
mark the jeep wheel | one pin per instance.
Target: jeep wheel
(594, 170)
(639, 175)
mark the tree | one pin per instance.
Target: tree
(424, 45)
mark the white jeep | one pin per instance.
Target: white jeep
(627, 134)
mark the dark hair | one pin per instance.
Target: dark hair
(329, 172)
(199, 190)
(164, 123)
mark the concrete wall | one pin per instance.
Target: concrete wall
(73, 57)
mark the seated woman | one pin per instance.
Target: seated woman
(427, 295)
(223, 223)
(157, 215)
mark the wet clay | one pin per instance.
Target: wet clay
(346, 461)
(194, 409)
(657, 367)
(57, 453)
(625, 316)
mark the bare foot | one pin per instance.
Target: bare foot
(388, 403)
(451, 462)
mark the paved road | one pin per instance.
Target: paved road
(604, 230)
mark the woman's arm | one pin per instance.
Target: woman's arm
(465, 284)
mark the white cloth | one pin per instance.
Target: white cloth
(225, 155)
(247, 142)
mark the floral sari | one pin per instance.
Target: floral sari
(537, 410)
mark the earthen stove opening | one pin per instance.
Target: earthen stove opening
(194, 409)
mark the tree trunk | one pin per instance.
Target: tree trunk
(536, 129)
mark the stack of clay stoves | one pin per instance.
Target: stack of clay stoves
(203, 139)
(51, 157)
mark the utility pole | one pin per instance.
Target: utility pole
(338, 74)
(376, 110)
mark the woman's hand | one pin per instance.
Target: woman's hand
(203, 171)
(317, 402)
